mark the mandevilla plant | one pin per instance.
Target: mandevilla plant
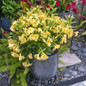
(61, 5)
(36, 33)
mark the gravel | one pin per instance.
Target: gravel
(69, 72)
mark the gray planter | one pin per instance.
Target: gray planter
(47, 69)
(6, 23)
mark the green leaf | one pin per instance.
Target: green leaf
(4, 68)
(2, 30)
(12, 72)
(2, 62)
(61, 62)
(26, 71)
(23, 79)
(61, 68)
(65, 48)
(84, 33)
(80, 24)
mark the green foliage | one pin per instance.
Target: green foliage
(10, 8)
(11, 64)
(81, 24)
(61, 68)
(23, 79)
(64, 48)
(16, 80)
(84, 33)
(60, 8)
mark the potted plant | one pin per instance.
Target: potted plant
(36, 39)
(9, 9)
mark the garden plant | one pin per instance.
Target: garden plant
(35, 35)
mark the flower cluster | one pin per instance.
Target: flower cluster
(36, 34)
(61, 5)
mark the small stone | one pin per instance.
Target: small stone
(1, 75)
(81, 69)
(79, 44)
(81, 74)
(83, 56)
(66, 75)
(79, 53)
(74, 48)
(70, 71)
(74, 73)
(72, 77)
(84, 50)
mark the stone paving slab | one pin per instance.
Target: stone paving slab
(68, 59)
(80, 84)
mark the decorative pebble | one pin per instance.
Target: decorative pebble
(79, 44)
(74, 73)
(74, 48)
(79, 53)
(83, 56)
(69, 72)
(84, 50)
(66, 75)
(1, 75)
(81, 69)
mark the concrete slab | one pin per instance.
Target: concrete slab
(83, 83)
(68, 59)
(78, 84)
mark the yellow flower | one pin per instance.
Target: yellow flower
(57, 18)
(56, 47)
(40, 30)
(48, 42)
(28, 13)
(33, 37)
(31, 30)
(11, 43)
(14, 23)
(30, 56)
(60, 27)
(25, 30)
(12, 28)
(21, 57)
(11, 46)
(22, 39)
(44, 56)
(16, 48)
(14, 54)
(45, 34)
(42, 17)
(64, 39)
(70, 33)
(34, 23)
(26, 64)
(76, 33)
(36, 56)
(55, 30)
